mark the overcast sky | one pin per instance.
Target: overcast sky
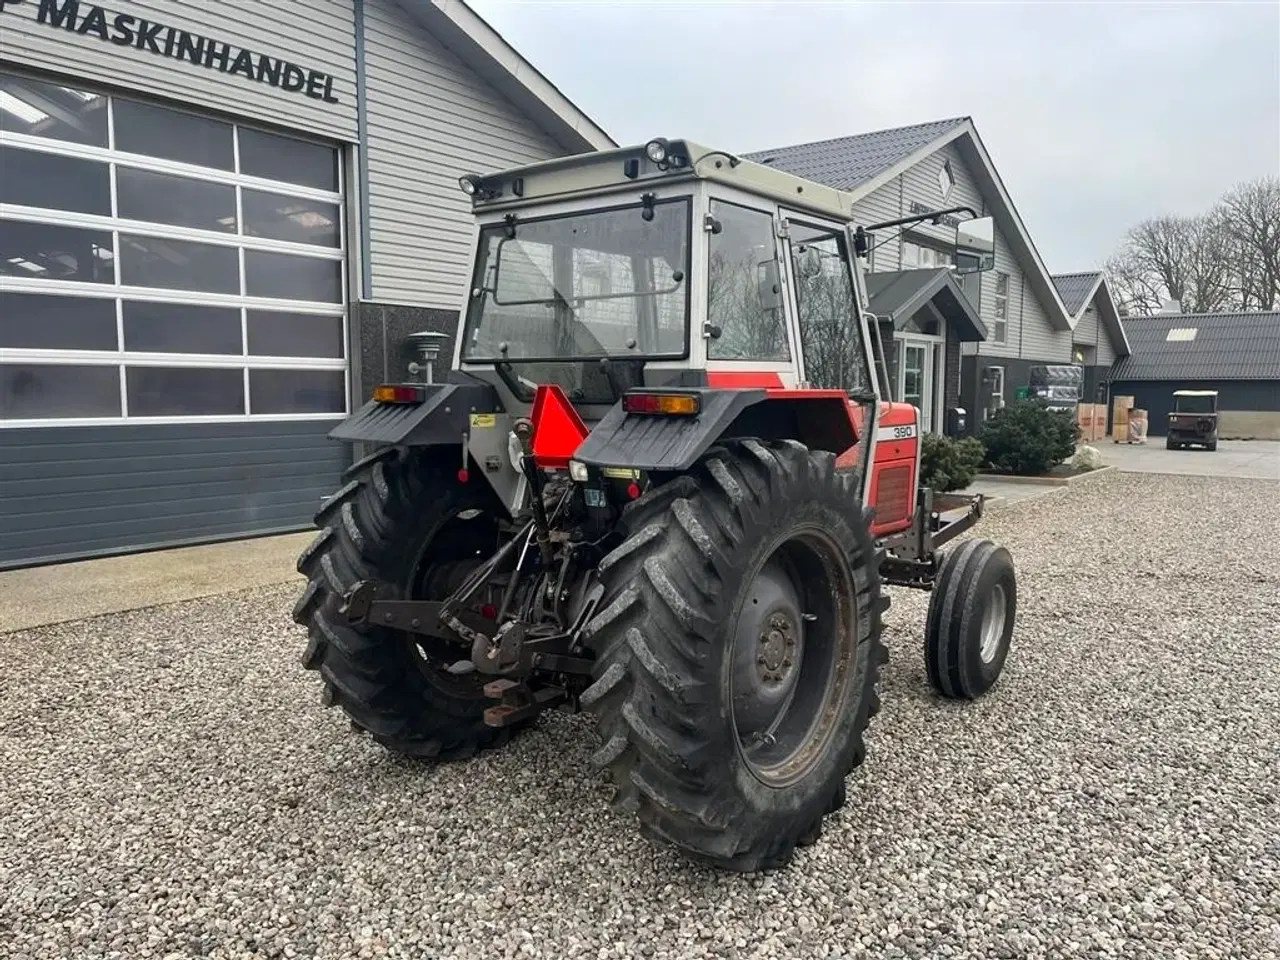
(1096, 115)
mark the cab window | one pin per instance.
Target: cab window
(826, 307)
(744, 288)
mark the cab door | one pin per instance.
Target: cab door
(828, 324)
(748, 333)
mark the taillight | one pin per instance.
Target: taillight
(662, 404)
(399, 393)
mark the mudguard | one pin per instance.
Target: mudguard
(818, 418)
(443, 417)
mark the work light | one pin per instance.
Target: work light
(657, 150)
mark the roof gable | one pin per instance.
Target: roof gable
(848, 162)
(1079, 290)
(1224, 346)
(1076, 289)
(900, 293)
(876, 158)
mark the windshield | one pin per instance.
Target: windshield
(1194, 404)
(603, 283)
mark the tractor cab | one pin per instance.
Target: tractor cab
(1194, 420)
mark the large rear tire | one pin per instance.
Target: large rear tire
(407, 521)
(738, 647)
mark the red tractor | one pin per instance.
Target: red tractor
(659, 484)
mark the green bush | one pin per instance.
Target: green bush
(947, 464)
(1027, 438)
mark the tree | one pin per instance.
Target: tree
(1249, 217)
(1225, 259)
(1183, 258)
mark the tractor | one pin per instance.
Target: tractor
(662, 482)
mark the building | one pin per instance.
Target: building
(1236, 354)
(1098, 338)
(961, 341)
(218, 221)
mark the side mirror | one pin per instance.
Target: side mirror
(769, 284)
(975, 245)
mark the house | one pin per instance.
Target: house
(218, 221)
(1099, 337)
(1236, 354)
(974, 350)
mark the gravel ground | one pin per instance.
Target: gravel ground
(171, 787)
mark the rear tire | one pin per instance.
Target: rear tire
(385, 524)
(730, 742)
(971, 618)
(1171, 444)
(1211, 445)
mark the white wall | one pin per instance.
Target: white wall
(431, 119)
(1029, 334)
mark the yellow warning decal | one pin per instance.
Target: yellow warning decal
(480, 420)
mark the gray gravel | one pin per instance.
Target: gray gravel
(171, 787)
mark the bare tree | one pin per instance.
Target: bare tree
(1182, 258)
(1136, 291)
(1249, 219)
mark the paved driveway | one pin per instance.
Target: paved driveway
(1259, 459)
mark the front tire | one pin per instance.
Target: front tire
(970, 620)
(404, 520)
(738, 647)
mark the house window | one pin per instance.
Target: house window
(918, 256)
(945, 179)
(1000, 326)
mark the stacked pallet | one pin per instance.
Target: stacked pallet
(1128, 424)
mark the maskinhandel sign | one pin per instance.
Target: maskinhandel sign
(126, 30)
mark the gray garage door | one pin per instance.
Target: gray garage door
(172, 324)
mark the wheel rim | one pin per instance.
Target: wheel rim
(790, 658)
(992, 624)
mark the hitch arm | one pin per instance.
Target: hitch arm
(362, 607)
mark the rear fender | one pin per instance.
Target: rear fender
(444, 417)
(820, 419)
(453, 414)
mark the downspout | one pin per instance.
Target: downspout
(362, 131)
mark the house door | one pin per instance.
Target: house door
(917, 377)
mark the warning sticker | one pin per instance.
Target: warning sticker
(481, 420)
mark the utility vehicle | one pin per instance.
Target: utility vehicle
(662, 482)
(1194, 420)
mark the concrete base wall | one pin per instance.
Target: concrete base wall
(1249, 425)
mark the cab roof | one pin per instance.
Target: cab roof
(627, 168)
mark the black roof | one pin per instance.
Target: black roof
(900, 293)
(846, 162)
(1202, 346)
(1075, 288)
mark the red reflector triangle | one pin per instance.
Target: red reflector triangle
(557, 428)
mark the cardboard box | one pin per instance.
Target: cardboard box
(1092, 421)
(1120, 407)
